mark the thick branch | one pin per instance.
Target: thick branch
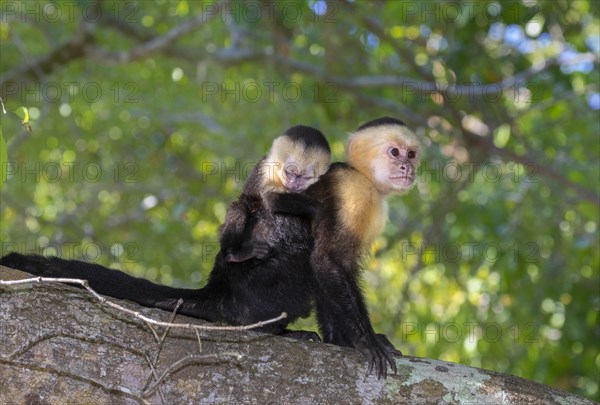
(59, 343)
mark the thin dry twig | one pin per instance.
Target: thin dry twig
(154, 373)
(189, 360)
(154, 362)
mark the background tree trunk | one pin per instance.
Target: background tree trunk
(60, 345)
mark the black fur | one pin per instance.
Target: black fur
(236, 293)
(309, 136)
(271, 273)
(381, 121)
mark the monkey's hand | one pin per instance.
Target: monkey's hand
(254, 250)
(388, 345)
(378, 353)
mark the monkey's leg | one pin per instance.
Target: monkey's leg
(330, 329)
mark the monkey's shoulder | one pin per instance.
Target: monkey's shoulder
(358, 206)
(348, 184)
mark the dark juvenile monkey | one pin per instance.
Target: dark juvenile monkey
(383, 156)
(295, 161)
(263, 267)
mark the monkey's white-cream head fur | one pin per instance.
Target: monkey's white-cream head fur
(388, 154)
(293, 166)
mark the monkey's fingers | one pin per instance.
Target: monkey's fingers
(385, 356)
(372, 360)
(389, 347)
(377, 361)
(378, 356)
(388, 351)
(378, 365)
(391, 361)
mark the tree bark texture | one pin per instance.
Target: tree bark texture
(59, 345)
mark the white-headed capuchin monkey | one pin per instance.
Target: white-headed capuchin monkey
(263, 267)
(383, 156)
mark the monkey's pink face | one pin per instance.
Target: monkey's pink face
(296, 178)
(388, 155)
(403, 162)
(395, 169)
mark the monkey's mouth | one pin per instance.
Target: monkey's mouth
(293, 186)
(402, 181)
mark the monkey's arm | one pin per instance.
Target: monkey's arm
(295, 204)
(343, 316)
(279, 204)
(231, 232)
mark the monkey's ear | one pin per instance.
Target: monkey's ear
(351, 145)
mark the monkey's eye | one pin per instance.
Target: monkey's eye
(412, 154)
(290, 174)
(394, 152)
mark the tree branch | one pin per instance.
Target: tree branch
(157, 43)
(106, 361)
(73, 49)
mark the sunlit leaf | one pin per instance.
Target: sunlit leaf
(23, 113)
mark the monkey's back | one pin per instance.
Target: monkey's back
(351, 212)
(260, 289)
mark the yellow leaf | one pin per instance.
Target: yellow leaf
(23, 113)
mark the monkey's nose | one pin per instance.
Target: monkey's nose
(406, 169)
(293, 184)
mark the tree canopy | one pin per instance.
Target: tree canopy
(142, 119)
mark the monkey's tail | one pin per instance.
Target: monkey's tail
(103, 280)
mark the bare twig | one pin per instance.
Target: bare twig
(189, 360)
(154, 373)
(154, 361)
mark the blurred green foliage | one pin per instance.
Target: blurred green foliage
(139, 145)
